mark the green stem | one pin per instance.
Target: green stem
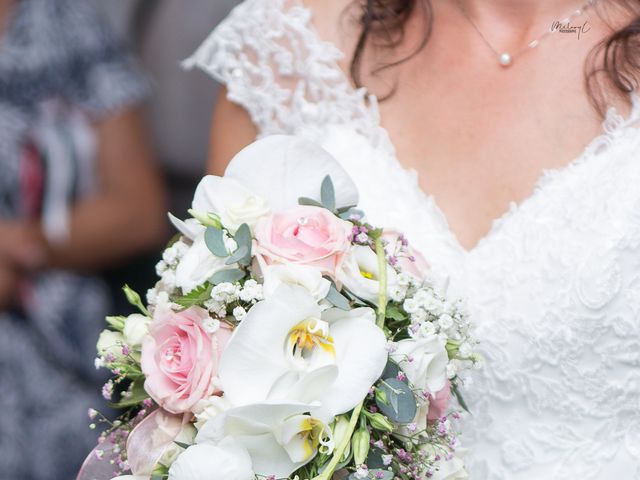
(382, 278)
(339, 451)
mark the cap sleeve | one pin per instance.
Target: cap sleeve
(273, 64)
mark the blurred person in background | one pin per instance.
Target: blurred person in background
(78, 192)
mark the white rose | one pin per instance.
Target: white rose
(304, 276)
(198, 265)
(424, 360)
(228, 460)
(207, 409)
(360, 274)
(110, 343)
(232, 202)
(136, 327)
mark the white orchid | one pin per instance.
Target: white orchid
(227, 460)
(268, 175)
(286, 349)
(360, 274)
(281, 169)
(424, 361)
(280, 438)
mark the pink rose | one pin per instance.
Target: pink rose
(440, 403)
(408, 259)
(304, 235)
(180, 358)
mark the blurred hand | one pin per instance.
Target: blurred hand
(21, 245)
(9, 284)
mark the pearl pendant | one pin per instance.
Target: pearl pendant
(505, 59)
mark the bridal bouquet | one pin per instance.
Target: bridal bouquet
(286, 339)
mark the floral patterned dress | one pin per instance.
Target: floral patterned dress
(61, 71)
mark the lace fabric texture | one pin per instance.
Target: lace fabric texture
(554, 288)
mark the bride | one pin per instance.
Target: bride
(501, 136)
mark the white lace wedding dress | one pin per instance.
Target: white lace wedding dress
(554, 287)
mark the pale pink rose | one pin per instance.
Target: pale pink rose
(440, 403)
(180, 358)
(410, 261)
(304, 235)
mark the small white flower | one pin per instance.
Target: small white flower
(168, 278)
(170, 255)
(211, 325)
(465, 350)
(427, 329)
(152, 296)
(362, 238)
(419, 316)
(161, 267)
(98, 363)
(387, 459)
(452, 370)
(404, 279)
(361, 472)
(445, 322)
(239, 313)
(251, 292)
(410, 305)
(397, 292)
(391, 346)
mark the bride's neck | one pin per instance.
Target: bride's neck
(525, 15)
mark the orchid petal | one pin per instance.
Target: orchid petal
(282, 168)
(361, 357)
(190, 228)
(254, 359)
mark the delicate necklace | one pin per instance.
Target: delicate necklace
(505, 58)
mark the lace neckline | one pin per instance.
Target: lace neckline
(613, 126)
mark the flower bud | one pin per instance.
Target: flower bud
(380, 422)
(360, 444)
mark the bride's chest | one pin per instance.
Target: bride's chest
(558, 273)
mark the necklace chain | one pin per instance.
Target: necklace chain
(505, 58)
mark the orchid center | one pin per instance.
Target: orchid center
(308, 336)
(314, 436)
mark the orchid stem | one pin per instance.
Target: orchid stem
(382, 279)
(339, 451)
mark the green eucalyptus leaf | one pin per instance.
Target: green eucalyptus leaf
(337, 299)
(239, 256)
(401, 406)
(458, 395)
(374, 459)
(214, 239)
(328, 194)
(347, 214)
(243, 235)
(230, 275)
(391, 370)
(309, 202)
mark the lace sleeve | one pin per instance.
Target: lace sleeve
(275, 66)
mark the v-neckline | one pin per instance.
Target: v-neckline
(611, 127)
